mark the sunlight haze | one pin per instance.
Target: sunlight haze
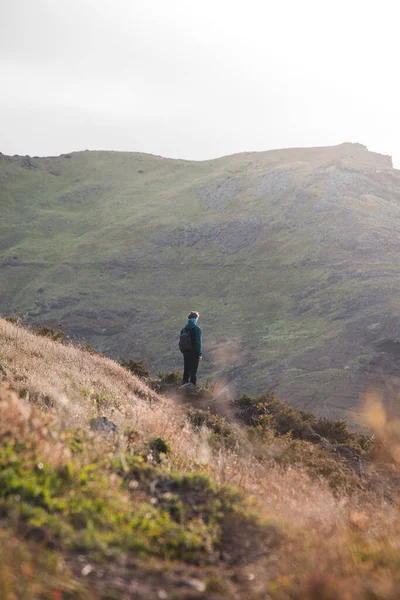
(198, 80)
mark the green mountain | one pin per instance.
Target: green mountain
(291, 257)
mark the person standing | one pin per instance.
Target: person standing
(190, 344)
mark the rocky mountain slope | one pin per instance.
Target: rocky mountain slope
(290, 256)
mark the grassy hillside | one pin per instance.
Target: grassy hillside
(290, 256)
(178, 503)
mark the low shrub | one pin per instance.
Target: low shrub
(90, 350)
(137, 367)
(43, 401)
(268, 411)
(15, 320)
(301, 439)
(318, 463)
(222, 432)
(57, 335)
(105, 400)
(173, 378)
(159, 446)
(250, 410)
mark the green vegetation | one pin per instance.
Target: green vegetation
(283, 434)
(179, 502)
(274, 248)
(267, 411)
(221, 432)
(159, 447)
(73, 499)
(325, 448)
(85, 507)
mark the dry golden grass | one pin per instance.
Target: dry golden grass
(70, 379)
(335, 547)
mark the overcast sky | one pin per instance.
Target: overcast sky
(198, 79)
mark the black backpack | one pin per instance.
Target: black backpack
(186, 340)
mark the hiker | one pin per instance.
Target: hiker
(190, 346)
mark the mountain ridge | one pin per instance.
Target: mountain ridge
(314, 149)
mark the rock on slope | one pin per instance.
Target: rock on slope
(291, 256)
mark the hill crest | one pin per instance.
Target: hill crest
(340, 150)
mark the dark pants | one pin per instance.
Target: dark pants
(190, 366)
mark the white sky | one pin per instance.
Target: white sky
(198, 79)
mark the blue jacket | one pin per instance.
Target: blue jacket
(197, 331)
